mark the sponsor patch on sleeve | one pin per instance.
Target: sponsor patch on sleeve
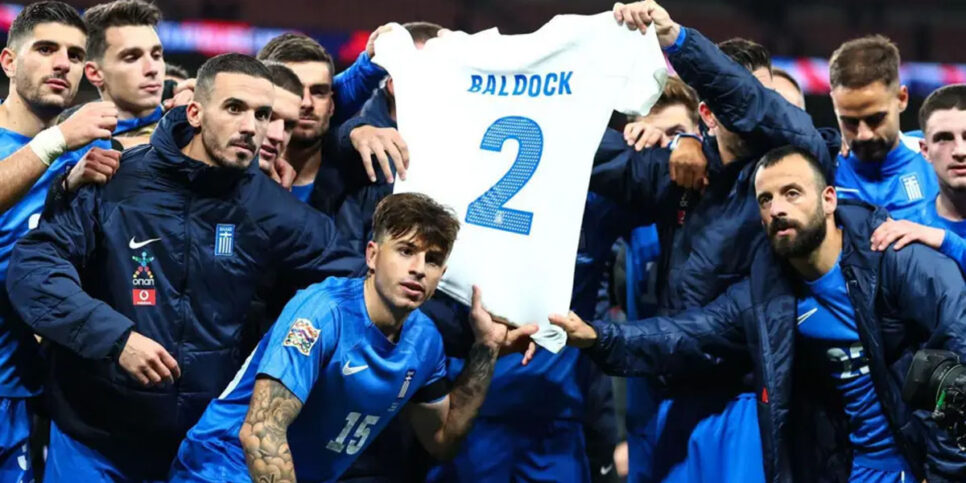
(302, 336)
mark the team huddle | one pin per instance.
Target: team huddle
(209, 278)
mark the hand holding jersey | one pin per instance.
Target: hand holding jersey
(520, 88)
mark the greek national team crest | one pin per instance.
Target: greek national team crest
(143, 281)
(410, 374)
(224, 240)
(911, 184)
(302, 336)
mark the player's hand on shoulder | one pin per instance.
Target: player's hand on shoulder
(904, 232)
(641, 135)
(688, 165)
(641, 15)
(579, 333)
(94, 120)
(147, 361)
(384, 144)
(97, 166)
(183, 94)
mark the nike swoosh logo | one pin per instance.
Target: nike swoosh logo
(348, 370)
(801, 318)
(606, 469)
(133, 245)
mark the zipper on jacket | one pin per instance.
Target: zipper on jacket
(850, 285)
(768, 376)
(184, 287)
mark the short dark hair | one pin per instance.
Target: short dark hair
(399, 214)
(422, 31)
(751, 55)
(948, 97)
(677, 92)
(42, 12)
(227, 64)
(284, 77)
(776, 155)
(296, 47)
(119, 13)
(175, 70)
(863, 61)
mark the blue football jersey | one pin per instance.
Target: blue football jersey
(902, 183)
(826, 320)
(350, 378)
(17, 346)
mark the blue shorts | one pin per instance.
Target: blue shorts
(696, 440)
(14, 433)
(69, 460)
(501, 451)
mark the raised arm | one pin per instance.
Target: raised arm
(354, 85)
(443, 424)
(20, 170)
(264, 434)
(737, 98)
(671, 346)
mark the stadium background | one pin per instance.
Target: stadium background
(801, 34)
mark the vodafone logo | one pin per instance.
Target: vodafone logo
(143, 296)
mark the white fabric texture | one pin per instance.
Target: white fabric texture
(503, 130)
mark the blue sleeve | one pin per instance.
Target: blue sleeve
(311, 248)
(954, 247)
(45, 287)
(353, 86)
(671, 346)
(637, 181)
(929, 290)
(299, 344)
(437, 385)
(742, 103)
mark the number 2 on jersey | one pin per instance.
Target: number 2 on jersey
(488, 210)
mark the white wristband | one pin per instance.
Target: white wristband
(49, 144)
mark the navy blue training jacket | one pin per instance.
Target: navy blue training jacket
(78, 281)
(904, 300)
(706, 238)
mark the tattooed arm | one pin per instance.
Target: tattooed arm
(442, 425)
(264, 434)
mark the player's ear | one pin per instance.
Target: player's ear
(372, 252)
(93, 74)
(193, 112)
(8, 60)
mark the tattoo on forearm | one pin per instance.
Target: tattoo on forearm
(468, 392)
(264, 433)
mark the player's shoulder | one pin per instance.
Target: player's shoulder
(11, 141)
(421, 332)
(328, 297)
(910, 143)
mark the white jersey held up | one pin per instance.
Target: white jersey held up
(503, 129)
